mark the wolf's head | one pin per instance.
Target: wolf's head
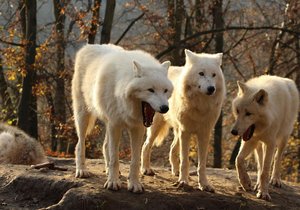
(152, 88)
(202, 72)
(249, 111)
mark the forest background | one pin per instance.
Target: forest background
(39, 39)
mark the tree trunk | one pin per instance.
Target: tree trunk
(27, 116)
(6, 100)
(95, 22)
(59, 95)
(275, 50)
(175, 17)
(219, 41)
(297, 43)
(108, 20)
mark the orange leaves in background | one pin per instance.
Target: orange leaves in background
(58, 154)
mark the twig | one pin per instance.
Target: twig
(48, 165)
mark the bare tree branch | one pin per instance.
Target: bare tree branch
(12, 43)
(129, 27)
(228, 28)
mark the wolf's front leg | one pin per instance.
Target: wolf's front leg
(243, 177)
(184, 139)
(136, 138)
(259, 160)
(113, 134)
(263, 189)
(203, 141)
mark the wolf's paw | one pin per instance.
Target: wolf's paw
(263, 195)
(135, 187)
(276, 182)
(183, 185)
(82, 173)
(148, 172)
(112, 185)
(206, 187)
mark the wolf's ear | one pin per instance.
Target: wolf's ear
(261, 97)
(137, 68)
(166, 66)
(189, 56)
(219, 57)
(242, 87)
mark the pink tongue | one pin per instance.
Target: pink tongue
(246, 134)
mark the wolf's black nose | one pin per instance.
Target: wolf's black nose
(234, 132)
(210, 90)
(164, 109)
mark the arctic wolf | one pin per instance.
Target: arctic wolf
(195, 105)
(124, 89)
(16, 147)
(265, 109)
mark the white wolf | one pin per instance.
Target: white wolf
(195, 105)
(16, 147)
(265, 109)
(124, 89)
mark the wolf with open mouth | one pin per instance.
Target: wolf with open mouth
(265, 110)
(124, 89)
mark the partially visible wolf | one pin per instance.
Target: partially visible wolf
(195, 105)
(124, 89)
(16, 147)
(265, 109)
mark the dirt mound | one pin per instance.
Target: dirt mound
(25, 188)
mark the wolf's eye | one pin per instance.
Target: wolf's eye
(151, 90)
(213, 75)
(248, 114)
(201, 73)
(166, 90)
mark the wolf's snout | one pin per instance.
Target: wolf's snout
(164, 109)
(210, 90)
(234, 132)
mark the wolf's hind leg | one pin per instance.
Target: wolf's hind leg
(157, 133)
(174, 154)
(82, 118)
(275, 178)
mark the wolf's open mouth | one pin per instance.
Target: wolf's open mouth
(148, 114)
(249, 133)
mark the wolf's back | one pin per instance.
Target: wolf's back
(16, 147)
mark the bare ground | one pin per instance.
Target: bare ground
(25, 188)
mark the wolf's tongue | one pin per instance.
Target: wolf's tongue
(249, 132)
(148, 114)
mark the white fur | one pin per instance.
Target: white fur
(192, 112)
(110, 83)
(16, 147)
(272, 105)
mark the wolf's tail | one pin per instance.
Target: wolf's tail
(16, 147)
(91, 124)
(162, 133)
